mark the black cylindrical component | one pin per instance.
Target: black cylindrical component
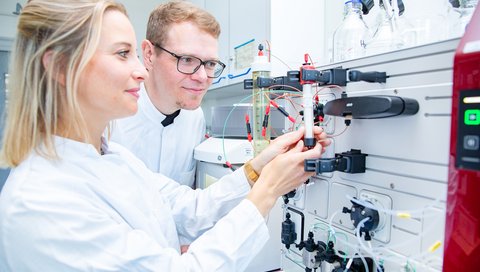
(288, 231)
(309, 142)
(411, 106)
(265, 121)
(283, 111)
(249, 129)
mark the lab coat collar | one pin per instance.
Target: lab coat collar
(170, 118)
(146, 105)
(67, 147)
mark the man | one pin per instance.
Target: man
(181, 57)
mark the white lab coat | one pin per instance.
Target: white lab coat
(167, 150)
(89, 212)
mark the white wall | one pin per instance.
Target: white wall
(138, 11)
(296, 30)
(327, 22)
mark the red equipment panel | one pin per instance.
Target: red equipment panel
(462, 231)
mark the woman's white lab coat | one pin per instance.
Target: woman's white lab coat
(91, 212)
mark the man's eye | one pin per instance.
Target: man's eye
(187, 60)
(210, 64)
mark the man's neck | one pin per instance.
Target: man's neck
(160, 104)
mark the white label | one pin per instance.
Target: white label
(244, 55)
(471, 47)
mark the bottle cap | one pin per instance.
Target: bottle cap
(261, 63)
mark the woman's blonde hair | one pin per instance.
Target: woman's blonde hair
(163, 16)
(42, 96)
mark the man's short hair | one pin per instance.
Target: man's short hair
(163, 16)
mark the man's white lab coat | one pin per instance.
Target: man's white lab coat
(167, 150)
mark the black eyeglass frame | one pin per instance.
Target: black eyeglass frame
(202, 62)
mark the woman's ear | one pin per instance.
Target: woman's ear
(47, 61)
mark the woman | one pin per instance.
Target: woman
(74, 201)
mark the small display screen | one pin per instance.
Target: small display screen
(468, 130)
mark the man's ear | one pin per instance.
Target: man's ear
(148, 53)
(58, 74)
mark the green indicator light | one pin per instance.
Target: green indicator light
(472, 117)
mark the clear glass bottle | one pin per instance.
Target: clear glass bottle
(387, 36)
(427, 22)
(350, 37)
(466, 9)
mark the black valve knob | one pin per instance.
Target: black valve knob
(355, 75)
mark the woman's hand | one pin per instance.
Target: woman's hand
(282, 174)
(284, 143)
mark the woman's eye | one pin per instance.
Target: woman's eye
(124, 53)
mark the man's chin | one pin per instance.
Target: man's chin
(190, 106)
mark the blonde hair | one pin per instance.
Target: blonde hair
(42, 98)
(163, 16)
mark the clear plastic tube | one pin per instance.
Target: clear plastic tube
(354, 247)
(260, 102)
(359, 239)
(379, 250)
(308, 115)
(393, 212)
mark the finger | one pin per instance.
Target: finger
(322, 135)
(296, 135)
(313, 153)
(297, 148)
(324, 142)
(290, 138)
(317, 130)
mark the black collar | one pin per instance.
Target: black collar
(170, 118)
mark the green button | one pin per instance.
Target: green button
(472, 117)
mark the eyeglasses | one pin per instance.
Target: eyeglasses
(188, 65)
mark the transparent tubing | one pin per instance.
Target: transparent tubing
(359, 240)
(309, 140)
(260, 102)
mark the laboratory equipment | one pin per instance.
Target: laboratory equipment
(404, 176)
(462, 247)
(307, 91)
(387, 35)
(352, 162)
(229, 121)
(371, 106)
(261, 102)
(350, 37)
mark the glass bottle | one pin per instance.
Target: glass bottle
(466, 9)
(387, 36)
(349, 38)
